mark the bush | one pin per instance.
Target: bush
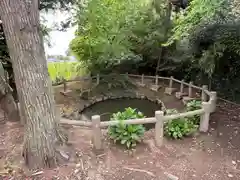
(192, 106)
(180, 127)
(127, 135)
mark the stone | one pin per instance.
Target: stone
(37, 173)
(170, 176)
(170, 91)
(155, 87)
(98, 99)
(65, 93)
(64, 155)
(186, 99)
(179, 95)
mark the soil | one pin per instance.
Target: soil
(209, 156)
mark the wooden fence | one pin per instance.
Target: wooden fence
(208, 98)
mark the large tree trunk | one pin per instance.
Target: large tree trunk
(22, 30)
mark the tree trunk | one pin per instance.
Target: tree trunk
(9, 106)
(22, 30)
(7, 102)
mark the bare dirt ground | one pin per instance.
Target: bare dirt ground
(211, 156)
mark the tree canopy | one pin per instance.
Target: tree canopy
(190, 38)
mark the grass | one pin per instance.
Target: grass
(64, 70)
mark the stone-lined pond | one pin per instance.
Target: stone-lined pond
(106, 108)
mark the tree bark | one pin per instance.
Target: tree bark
(22, 30)
(7, 102)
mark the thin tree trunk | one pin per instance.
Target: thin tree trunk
(7, 102)
(167, 22)
(21, 26)
(9, 106)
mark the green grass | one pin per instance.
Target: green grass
(64, 70)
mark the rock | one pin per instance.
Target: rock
(76, 171)
(37, 173)
(78, 165)
(98, 99)
(230, 175)
(64, 155)
(170, 176)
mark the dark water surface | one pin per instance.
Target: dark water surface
(106, 108)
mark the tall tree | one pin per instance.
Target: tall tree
(8, 93)
(22, 30)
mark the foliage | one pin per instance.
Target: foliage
(116, 81)
(199, 11)
(102, 32)
(111, 31)
(192, 106)
(127, 135)
(60, 71)
(56, 4)
(180, 127)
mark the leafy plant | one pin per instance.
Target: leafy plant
(191, 106)
(171, 111)
(180, 127)
(127, 135)
(194, 105)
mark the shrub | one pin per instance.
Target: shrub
(192, 106)
(180, 127)
(127, 135)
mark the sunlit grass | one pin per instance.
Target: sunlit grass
(64, 70)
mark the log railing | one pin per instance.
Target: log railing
(208, 106)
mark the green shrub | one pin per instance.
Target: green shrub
(180, 127)
(192, 106)
(127, 135)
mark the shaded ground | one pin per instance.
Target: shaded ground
(211, 156)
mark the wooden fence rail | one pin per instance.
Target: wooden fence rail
(208, 106)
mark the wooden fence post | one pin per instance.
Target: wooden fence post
(190, 89)
(96, 132)
(204, 121)
(182, 87)
(204, 95)
(156, 80)
(142, 82)
(171, 82)
(98, 79)
(213, 100)
(159, 128)
(64, 85)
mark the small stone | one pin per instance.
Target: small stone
(230, 175)
(170, 176)
(220, 134)
(76, 171)
(78, 165)
(64, 155)
(234, 162)
(37, 173)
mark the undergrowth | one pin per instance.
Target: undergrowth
(128, 135)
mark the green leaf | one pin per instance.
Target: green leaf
(123, 141)
(128, 144)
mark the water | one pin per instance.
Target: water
(106, 108)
